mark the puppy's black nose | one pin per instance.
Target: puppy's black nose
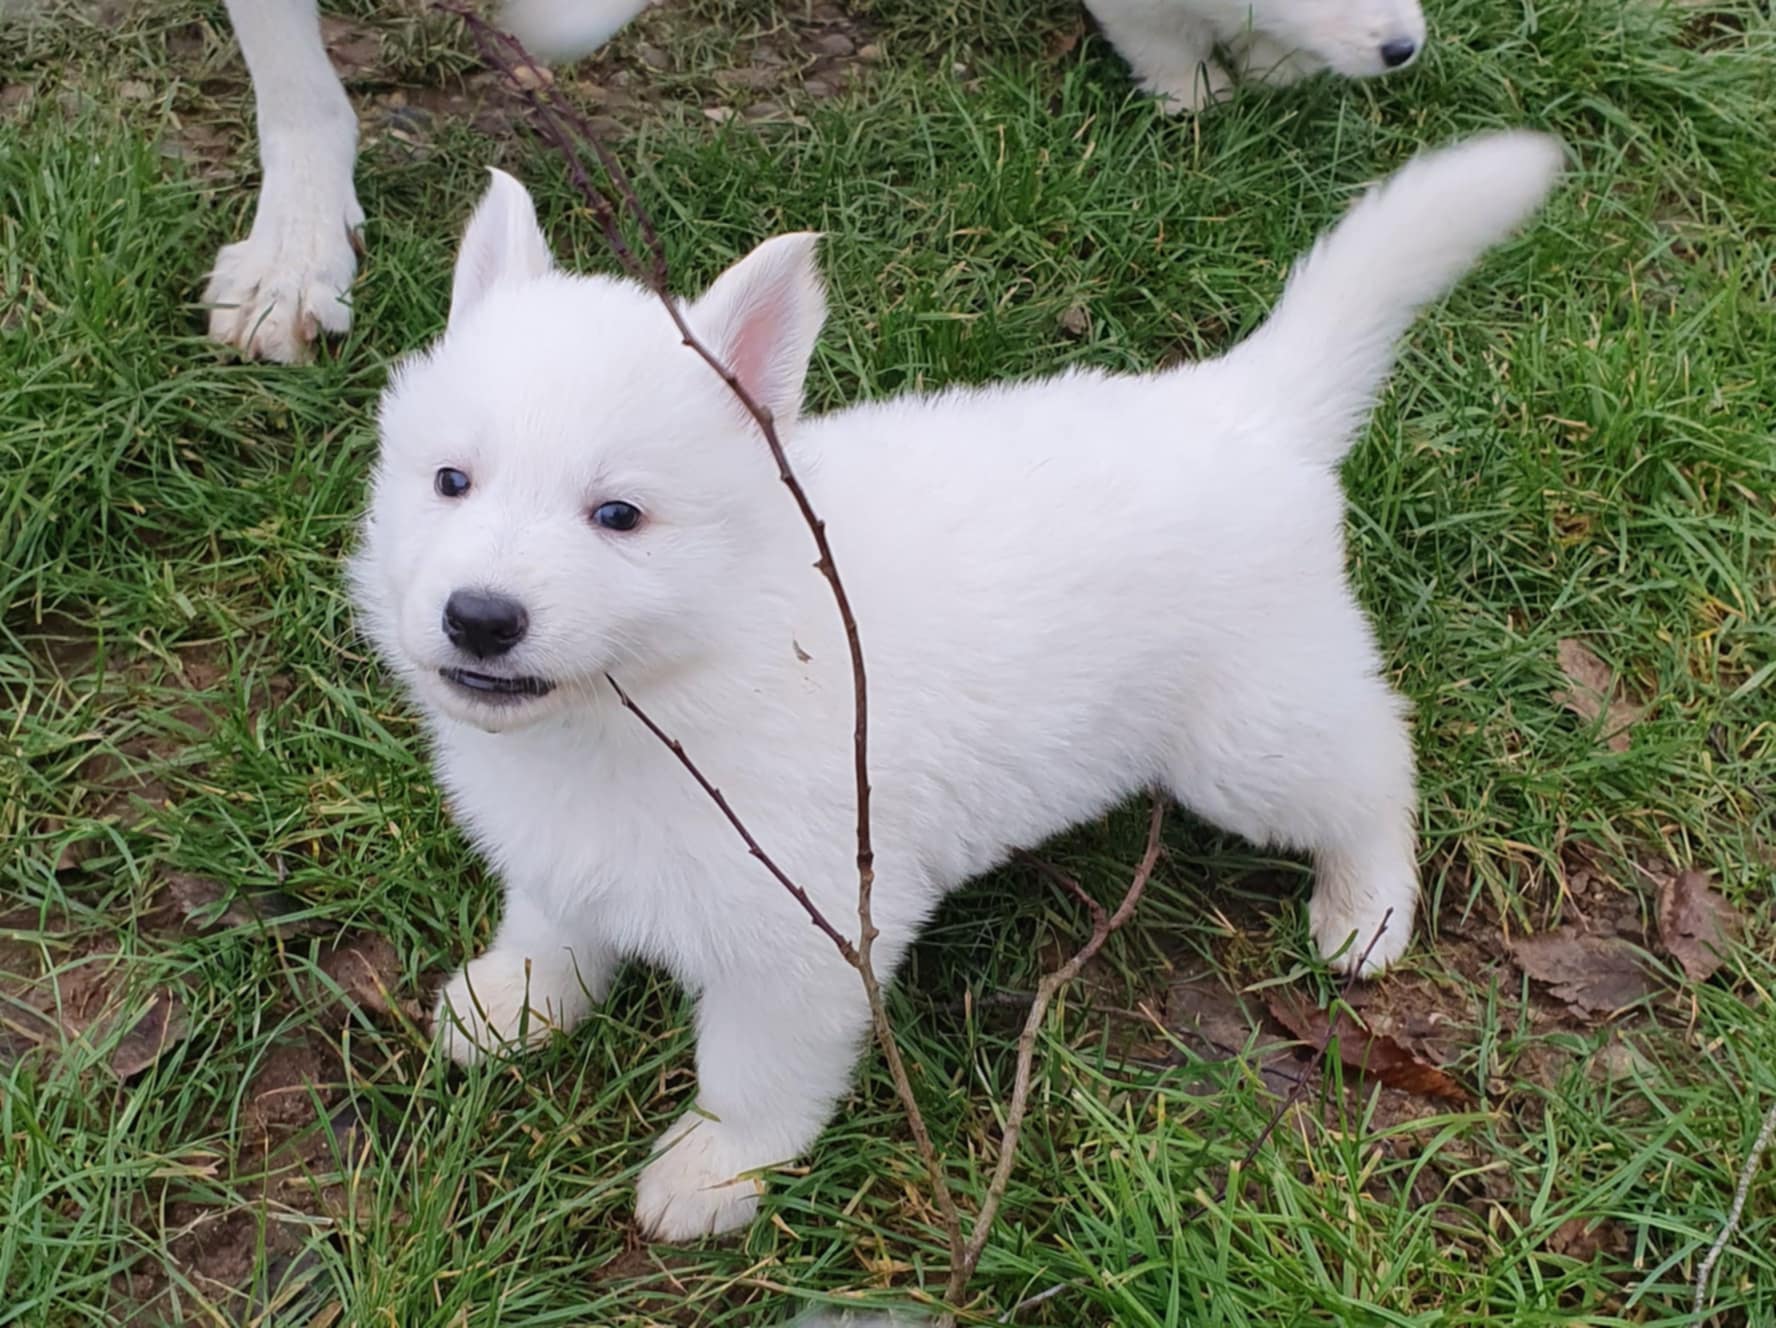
(1396, 51)
(485, 625)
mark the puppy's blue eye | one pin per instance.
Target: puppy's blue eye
(616, 516)
(450, 482)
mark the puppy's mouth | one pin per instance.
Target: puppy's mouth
(497, 689)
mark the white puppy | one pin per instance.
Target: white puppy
(1172, 45)
(272, 294)
(1067, 590)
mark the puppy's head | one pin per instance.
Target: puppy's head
(1356, 38)
(563, 488)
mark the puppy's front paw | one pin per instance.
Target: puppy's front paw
(502, 1003)
(1192, 89)
(274, 293)
(694, 1186)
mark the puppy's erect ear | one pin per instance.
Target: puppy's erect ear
(761, 318)
(502, 244)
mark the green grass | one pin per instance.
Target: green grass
(1577, 444)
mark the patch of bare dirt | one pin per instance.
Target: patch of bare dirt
(302, 1139)
(807, 54)
(301, 1135)
(144, 744)
(199, 903)
(73, 990)
(65, 992)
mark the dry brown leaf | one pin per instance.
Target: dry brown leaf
(1215, 1024)
(1594, 697)
(367, 971)
(207, 903)
(1584, 1239)
(159, 1028)
(23, 1027)
(1373, 1054)
(1593, 974)
(1063, 42)
(1697, 926)
(354, 48)
(1615, 1060)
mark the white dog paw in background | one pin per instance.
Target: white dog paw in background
(273, 295)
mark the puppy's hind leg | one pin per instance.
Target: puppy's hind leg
(1169, 53)
(1306, 751)
(272, 294)
(1365, 891)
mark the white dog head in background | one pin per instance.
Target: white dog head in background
(1356, 38)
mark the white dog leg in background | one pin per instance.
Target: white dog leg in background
(1170, 52)
(272, 294)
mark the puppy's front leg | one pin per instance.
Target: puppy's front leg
(1169, 53)
(541, 975)
(775, 1051)
(271, 294)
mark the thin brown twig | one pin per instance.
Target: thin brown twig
(1102, 926)
(884, 1030)
(1728, 1228)
(676, 747)
(556, 127)
(563, 128)
(1071, 886)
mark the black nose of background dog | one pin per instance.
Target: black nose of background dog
(1397, 51)
(484, 625)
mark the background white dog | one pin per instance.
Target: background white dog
(272, 294)
(1190, 52)
(1067, 590)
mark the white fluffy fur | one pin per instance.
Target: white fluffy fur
(1068, 590)
(274, 293)
(1190, 52)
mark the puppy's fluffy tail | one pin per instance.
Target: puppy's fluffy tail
(563, 30)
(1325, 352)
